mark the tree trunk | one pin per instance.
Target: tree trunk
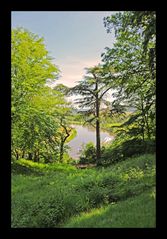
(61, 150)
(36, 156)
(23, 154)
(17, 155)
(98, 148)
(30, 156)
(143, 133)
(147, 126)
(63, 139)
(143, 121)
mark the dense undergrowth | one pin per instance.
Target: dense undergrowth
(138, 211)
(50, 195)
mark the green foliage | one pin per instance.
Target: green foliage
(77, 118)
(137, 212)
(40, 167)
(92, 90)
(38, 112)
(121, 149)
(72, 135)
(18, 167)
(62, 88)
(88, 154)
(135, 79)
(50, 199)
(31, 67)
(46, 193)
(33, 123)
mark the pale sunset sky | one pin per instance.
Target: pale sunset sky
(74, 39)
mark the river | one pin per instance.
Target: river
(85, 135)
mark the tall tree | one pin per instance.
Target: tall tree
(142, 23)
(31, 68)
(130, 57)
(93, 90)
(33, 104)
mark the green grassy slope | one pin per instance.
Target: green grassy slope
(138, 211)
(55, 195)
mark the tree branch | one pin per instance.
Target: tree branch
(105, 92)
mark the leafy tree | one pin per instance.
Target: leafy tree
(31, 67)
(64, 135)
(142, 22)
(62, 88)
(39, 113)
(92, 89)
(63, 117)
(34, 106)
(134, 81)
(38, 126)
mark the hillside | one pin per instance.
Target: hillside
(122, 195)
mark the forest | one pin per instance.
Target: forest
(111, 181)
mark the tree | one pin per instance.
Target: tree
(31, 67)
(141, 22)
(93, 90)
(130, 57)
(64, 135)
(146, 20)
(65, 111)
(33, 103)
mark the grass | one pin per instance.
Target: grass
(138, 211)
(51, 195)
(25, 167)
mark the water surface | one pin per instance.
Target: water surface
(85, 135)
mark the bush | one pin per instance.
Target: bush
(88, 154)
(121, 151)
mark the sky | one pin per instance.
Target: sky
(74, 39)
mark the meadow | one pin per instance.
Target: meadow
(60, 195)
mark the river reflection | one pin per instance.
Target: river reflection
(85, 135)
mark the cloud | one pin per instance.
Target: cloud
(72, 69)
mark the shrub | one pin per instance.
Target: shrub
(119, 151)
(88, 154)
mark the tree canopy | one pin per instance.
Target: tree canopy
(130, 57)
(36, 108)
